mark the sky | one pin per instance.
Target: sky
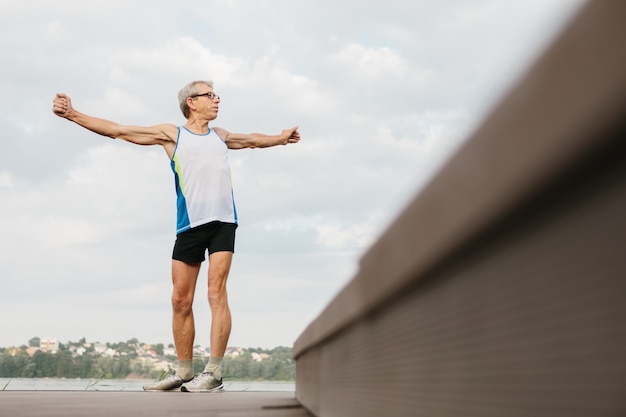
(383, 93)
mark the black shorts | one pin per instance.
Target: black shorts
(191, 245)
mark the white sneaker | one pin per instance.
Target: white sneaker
(204, 382)
(170, 382)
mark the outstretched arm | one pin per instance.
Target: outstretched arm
(258, 140)
(162, 134)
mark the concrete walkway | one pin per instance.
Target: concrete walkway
(153, 404)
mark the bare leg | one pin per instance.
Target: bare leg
(184, 277)
(219, 267)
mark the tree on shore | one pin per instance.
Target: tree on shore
(274, 364)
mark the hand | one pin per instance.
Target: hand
(290, 135)
(62, 105)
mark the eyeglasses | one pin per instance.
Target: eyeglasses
(210, 96)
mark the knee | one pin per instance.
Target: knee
(181, 303)
(217, 297)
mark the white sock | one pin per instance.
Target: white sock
(185, 369)
(214, 366)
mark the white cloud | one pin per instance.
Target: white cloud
(376, 64)
(381, 101)
(6, 180)
(341, 237)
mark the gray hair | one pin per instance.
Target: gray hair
(188, 91)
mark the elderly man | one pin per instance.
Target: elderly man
(206, 216)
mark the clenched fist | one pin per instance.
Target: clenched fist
(62, 105)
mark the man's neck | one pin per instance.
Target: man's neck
(197, 126)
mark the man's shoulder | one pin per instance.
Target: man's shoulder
(169, 130)
(222, 133)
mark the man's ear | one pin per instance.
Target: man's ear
(191, 103)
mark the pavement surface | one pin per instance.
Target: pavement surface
(153, 404)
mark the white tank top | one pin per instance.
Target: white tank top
(203, 184)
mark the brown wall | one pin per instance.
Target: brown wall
(501, 289)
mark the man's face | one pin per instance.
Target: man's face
(206, 102)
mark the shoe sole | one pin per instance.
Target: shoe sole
(177, 389)
(218, 388)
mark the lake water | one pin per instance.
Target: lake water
(67, 384)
